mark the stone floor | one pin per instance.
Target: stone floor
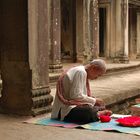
(112, 88)
(12, 128)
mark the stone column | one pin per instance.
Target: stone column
(39, 25)
(90, 29)
(95, 28)
(122, 31)
(79, 31)
(24, 57)
(55, 36)
(15, 71)
(138, 35)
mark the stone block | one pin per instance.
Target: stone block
(137, 100)
(135, 110)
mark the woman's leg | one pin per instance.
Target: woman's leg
(82, 114)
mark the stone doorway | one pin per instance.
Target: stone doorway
(68, 30)
(132, 31)
(102, 31)
(105, 29)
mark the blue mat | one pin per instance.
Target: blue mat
(110, 126)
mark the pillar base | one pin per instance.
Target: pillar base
(55, 68)
(138, 56)
(121, 59)
(41, 101)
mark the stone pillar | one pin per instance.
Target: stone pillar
(138, 35)
(55, 36)
(90, 29)
(39, 25)
(15, 71)
(86, 35)
(24, 57)
(79, 31)
(122, 31)
(95, 24)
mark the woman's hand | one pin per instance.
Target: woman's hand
(105, 112)
(99, 102)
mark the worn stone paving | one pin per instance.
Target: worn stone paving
(12, 128)
(111, 88)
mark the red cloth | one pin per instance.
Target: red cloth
(132, 121)
(105, 118)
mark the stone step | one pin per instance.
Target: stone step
(112, 69)
(121, 69)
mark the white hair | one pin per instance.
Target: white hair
(99, 63)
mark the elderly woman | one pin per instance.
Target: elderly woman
(73, 100)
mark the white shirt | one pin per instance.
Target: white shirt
(74, 85)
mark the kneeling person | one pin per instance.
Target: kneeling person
(73, 100)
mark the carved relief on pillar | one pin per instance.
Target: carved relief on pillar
(55, 36)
